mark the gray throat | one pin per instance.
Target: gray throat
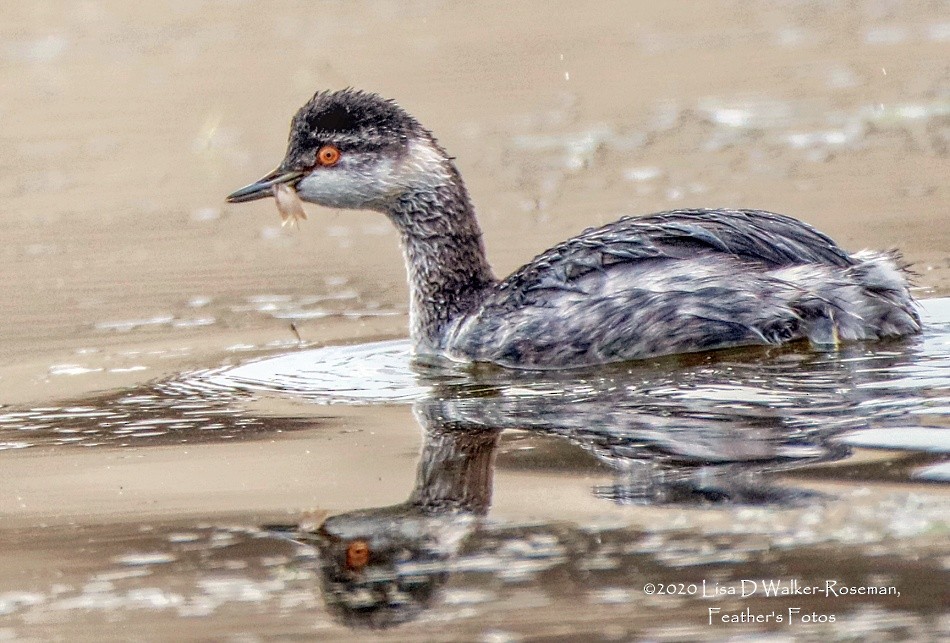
(445, 258)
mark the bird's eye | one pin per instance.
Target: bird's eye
(357, 553)
(328, 155)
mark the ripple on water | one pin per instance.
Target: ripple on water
(380, 372)
(912, 438)
(783, 403)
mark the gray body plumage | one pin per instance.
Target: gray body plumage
(684, 281)
(674, 282)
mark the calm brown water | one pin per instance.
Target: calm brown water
(177, 465)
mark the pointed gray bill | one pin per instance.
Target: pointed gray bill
(264, 187)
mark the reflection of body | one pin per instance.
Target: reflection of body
(675, 282)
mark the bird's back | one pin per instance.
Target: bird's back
(771, 239)
(674, 282)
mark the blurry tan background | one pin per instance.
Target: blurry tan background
(123, 125)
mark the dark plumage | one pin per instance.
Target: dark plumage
(349, 119)
(681, 281)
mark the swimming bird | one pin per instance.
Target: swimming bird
(674, 282)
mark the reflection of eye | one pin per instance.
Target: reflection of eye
(357, 555)
(328, 155)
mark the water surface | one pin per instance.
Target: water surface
(546, 490)
(210, 426)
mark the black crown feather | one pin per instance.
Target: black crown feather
(351, 120)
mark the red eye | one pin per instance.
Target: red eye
(357, 553)
(328, 155)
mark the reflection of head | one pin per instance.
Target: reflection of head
(382, 567)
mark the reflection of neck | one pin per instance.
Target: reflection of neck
(445, 257)
(455, 471)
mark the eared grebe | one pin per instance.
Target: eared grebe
(673, 282)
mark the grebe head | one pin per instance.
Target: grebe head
(354, 149)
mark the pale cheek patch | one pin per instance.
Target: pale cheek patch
(334, 189)
(372, 182)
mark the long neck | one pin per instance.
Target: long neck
(456, 470)
(445, 256)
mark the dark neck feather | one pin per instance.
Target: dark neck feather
(456, 470)
(445, 256)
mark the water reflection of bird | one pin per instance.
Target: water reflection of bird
(384, 566)
(674, 282)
